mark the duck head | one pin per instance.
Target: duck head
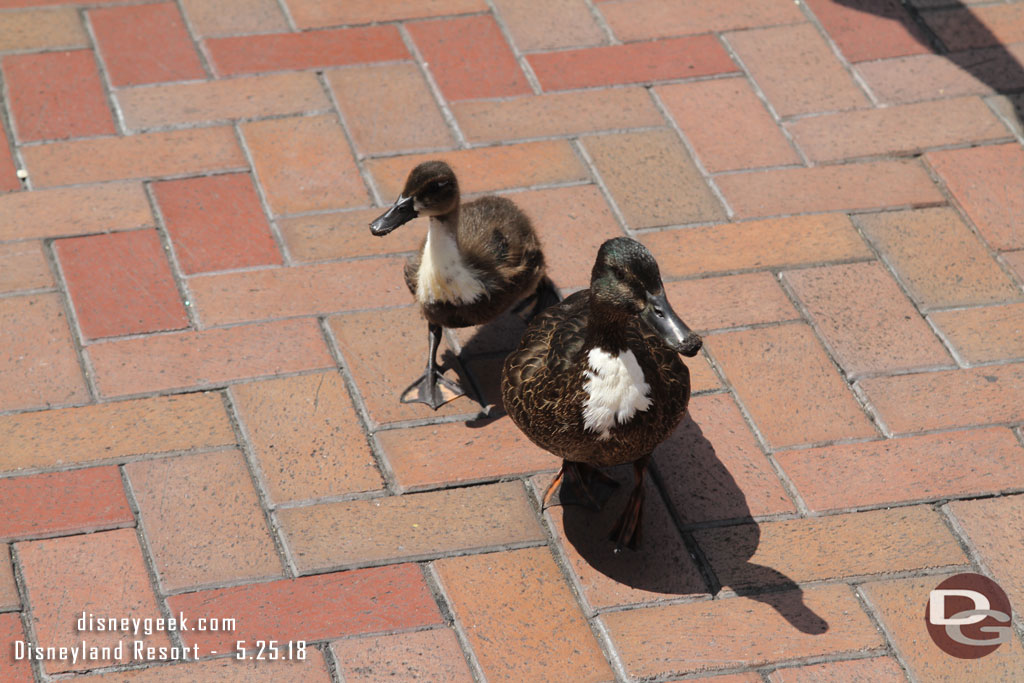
(626, 282)
(430, 190)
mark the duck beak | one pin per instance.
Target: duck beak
(658, 314)
(401, 211)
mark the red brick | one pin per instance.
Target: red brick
(298, 290)
(713, 469)
(313, 607)
(870, 30)
(984, 334)
(734, 632)
(414, 526)
(316, 14)
(756, 244)
(730, 301)
(986, 395)
(962, 28)
(454, 453)
(900, 605)
(23, 265)
(345, 234)
(304, 164)
(307, 437)
(41, 29)
(121, 283)
(74, 211)
(233, 17)
(60, 503)
(207, 358)
(773, 55)
(432, 655)
(16, 671)
(306, 50)
(8, 179)
(313, 669)
(995, 528)
(660, 60)
(42, 85)
(145, 44)
(509, 605)
(489, 168)
(469, 58)
(986, 182)
(789, 386)
(189, 505)
(389, 108)
(549, 24)
(39, 366)
(872, 670)
(845, 187)
(9, 598)
(109, 431)
(246, 97)
(179, 152)
(216, 223)
(103, 574)
(961, 273)
(727, 124)
(896, 130)
(644, 19)
(535, 116)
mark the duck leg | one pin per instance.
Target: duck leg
(432, 387)
(580, 484)
(627, 529)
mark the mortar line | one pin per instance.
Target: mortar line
(74, 327)
(357, 157)
(180, 281)
(435, 89)
(588, 161)
(261, 194)
(444, 604)
(524, 64)
(101, 64)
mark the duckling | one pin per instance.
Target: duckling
(477, 261)
(597, 380)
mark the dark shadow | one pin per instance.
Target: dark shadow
(664, 562)
(954, 32)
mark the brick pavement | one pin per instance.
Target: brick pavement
(202, 346)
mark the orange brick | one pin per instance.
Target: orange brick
(661, 60)
(871, 30)
(304, 164)
(39, 366)
(645, 19)
(549, 24)
(298, 290)
(312, 607)
(984, 334)
(896, 130)
(145, 44)
(10, 631)
(306, 437)
(108, 431)
(488, 168)
(789, 386)
(653, 179)
(960, 273)
(872, 670)
(845, 187)
(9, 598)
(23, 265)
(222, 100)
(995, 528)
(718, 634)
(961, 28)
(756, 244)
(389, 108)
(985, 395)
(337, 235)
(702, 376)
(190, 504)
(9, 181)
(454, 453)
(177, 152)
(41, 29)
(415, 526)
(62, 503)
(316, 14)
(985, 181)
(730, 301)
(509, 605)
(306, 50)
(103, 574)
(920, 468)
(432, 655)
(535, 116)
(222, 17)
(933, 77)
(210, 357)
(727, 124)
(900, 604)
(229, 670)
(73, 211)
(838, 546)
(773, 55)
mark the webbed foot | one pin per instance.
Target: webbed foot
(432, 388)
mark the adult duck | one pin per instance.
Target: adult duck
(477, 261)
(597, 380)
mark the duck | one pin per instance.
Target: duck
(598, 381)
(478, 260)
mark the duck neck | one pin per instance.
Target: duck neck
(606, 330)
(443, 274)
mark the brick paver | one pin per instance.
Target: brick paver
(23, 266)
(427, 655)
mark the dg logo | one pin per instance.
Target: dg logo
(968, 616)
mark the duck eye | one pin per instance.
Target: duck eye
(618, 273)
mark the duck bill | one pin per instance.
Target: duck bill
(660, 317)
(402, 211)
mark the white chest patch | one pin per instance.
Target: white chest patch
(442, 275)
(616, 390)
